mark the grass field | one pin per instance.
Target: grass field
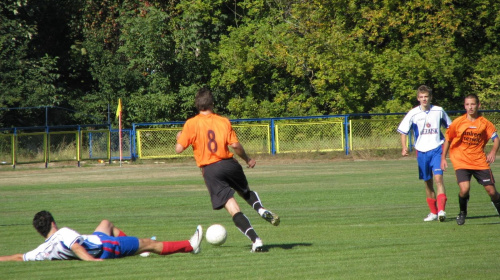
(340, 220)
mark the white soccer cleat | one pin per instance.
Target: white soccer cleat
(257, 246)
(442, 216)
(146, 254)
(195, 240)
(431, 217)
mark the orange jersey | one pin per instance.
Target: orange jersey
(210, 136)
(467, 140)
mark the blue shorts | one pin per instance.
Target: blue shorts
(117, 247)
(429, 163)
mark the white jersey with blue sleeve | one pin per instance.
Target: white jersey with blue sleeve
(92, 244)
(56, 247)
(426, 126)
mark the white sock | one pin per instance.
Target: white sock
(261, 211)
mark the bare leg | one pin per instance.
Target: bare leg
(492, 192)
(171, 247)
(429, 189)
(148, 245)
(109, 228)
(232, 207)
(464, 188)
(439, 184)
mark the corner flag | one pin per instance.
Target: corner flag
(119, 109)
(119, 116)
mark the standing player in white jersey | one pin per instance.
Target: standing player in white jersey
(426, 121)
(107, 242)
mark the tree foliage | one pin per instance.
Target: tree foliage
(26, 79)
(261, 58)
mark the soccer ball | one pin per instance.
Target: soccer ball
(216, 235)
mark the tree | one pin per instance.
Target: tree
(261, 58)
(26, 79)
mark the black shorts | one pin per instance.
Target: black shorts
(222, 179)
(483, 177)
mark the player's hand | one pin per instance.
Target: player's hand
(490, 158)
(404, 152)
(444, 164)
(251, 163)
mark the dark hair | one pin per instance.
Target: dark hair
(204, 100)
(424, 88)
(43, 222)
(472, 95)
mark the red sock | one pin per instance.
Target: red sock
(121, 233)
(441, 201)
(171, 247)
(432, 205)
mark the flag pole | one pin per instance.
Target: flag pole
(119, 113)
(120, 137)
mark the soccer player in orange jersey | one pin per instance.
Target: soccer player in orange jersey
(210, 135)
(465, 139)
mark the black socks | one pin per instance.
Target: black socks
(462, 201)
(243, 224)
(253, 200)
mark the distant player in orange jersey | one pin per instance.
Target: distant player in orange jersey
(465, 139)
(211, 135)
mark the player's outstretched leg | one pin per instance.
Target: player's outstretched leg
(147, 254)
(193, 245)
(253, 199)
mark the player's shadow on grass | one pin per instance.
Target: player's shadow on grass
(483, 217)
(475, 217)
(288, 246)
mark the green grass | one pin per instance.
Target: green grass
(340, 220)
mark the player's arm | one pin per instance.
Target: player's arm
(490, 158)
(404, 151)
(15, 257)
(81, 253)
(446, 147)
(240, 151)
(178, 147)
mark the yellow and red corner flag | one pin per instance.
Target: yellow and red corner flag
(119, 116)
(119, 109)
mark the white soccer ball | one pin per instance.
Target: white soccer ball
(216, 234)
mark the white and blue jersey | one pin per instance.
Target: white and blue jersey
(99, 245)
(426, 126)
(56, 247)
